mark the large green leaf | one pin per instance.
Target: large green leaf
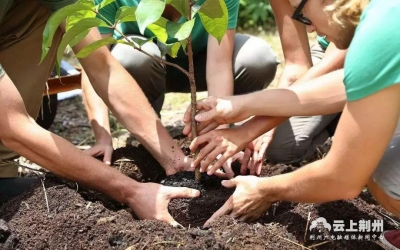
(54, 22)
(81, 27)
(180, 5)
(214, 16)
(126, 14)
(170, 49)
(180, 31)
(159, 29)
(148, 12)
(195, 9)
(103, 4)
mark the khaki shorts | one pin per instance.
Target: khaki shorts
(20, 52)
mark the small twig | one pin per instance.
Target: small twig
(167, 242)
(319, 244)
(308, 221)
(293, 242)
(45, 196)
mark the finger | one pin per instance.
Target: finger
(251, 166)
(200, 157)
(107, 156)
(93, 151)
(229, 183)
(219, 162)
(187, 129)
(257, 167)
(245, 161)
(208, 128)
(199, 140)
(224, 210)
(228, 168)
(210, 158)
(182, 192)
(206, 116)
(221, 174)
(262, 151)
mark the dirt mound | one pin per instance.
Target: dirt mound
(77, 218)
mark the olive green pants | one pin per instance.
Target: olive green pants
(20, 52)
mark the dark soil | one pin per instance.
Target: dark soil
(84, 219)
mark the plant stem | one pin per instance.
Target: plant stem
(193, 98)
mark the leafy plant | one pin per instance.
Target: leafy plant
(254, 14)
(84, 15)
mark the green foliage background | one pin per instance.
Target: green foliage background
(255, 14)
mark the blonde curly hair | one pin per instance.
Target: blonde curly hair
(347, 12)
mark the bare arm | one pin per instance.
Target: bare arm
(52, 151)
(219, 65)
(356, 151)
(124, 97)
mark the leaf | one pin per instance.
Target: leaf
(103, 4)
(77, 39)
(81, 27)
(195, 9)
(139, 42)
(54, 22)
(126, 14)
(79, 15)
(159, 29)
(148, 12)
(214, 16)
(170, 49)
(180, 5)
(184, 43)
(95, 45)
(180, 31)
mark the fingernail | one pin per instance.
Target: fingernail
(108, 163)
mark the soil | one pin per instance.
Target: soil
(79, 218)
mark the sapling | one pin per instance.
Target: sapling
(84, 15)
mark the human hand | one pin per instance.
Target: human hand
(227, 166)
(102, 147)
(220, 144)
(213, 112)
(254, 154)
(248, 202)
(150, 201)
(181, 163)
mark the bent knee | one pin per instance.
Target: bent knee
(388, 197)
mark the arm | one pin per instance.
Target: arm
(99, 119)
(356, 151)
(20, 133)
(124, 97)
(294, 40)
(219, 65)
(333, 60)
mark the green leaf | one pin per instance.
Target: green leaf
(170, 49)
(184, 43)
(95, 45)
(54, 22)
(214, 16)
(103, 4)
(77, 39)
(159, 29)
(81, 27)
(180, 31)
(195, 9)
(180, 5)
(148, 12)
(137, 41)
(126, 14)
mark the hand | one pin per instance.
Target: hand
(150, 201)
(254, 154)
(222, 143)
(213, 112)
(181, 163)
(248, 202)
(102, 147)
(227, 166)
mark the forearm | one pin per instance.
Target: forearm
(220, 82)
(314, 183)
(323, 95)
(96, 109)
(259, 125)
(55, 154)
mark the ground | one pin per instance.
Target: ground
(63, 215)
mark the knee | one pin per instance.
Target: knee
(256, 57)
(389, 203)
